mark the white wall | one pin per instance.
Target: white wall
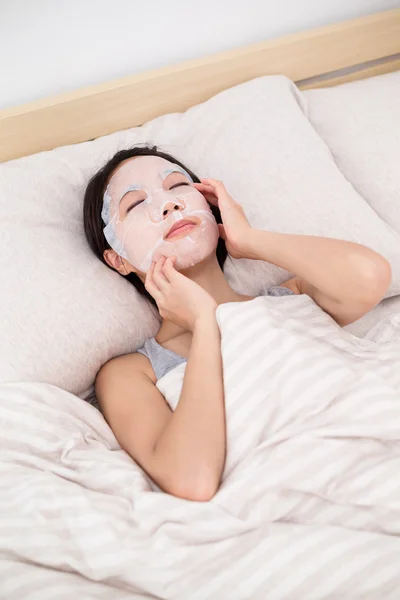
(52, 46)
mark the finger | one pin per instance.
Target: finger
(158, 276)
(209, 189)
(203, 185)
(203, 188)
(174, 260)
(222, 233)
(219, 190)
(214, 183)
(209, 180)
(208, 193)
(149, 274)
(211, 199)
(169, 270)
(150, 284)
(209, 196)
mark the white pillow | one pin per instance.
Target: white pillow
(257, 140)
(360, 122)
(64, 313)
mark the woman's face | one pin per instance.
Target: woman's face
(151, 209)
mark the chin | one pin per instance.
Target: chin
(189, 263)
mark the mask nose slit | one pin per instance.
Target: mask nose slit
(176, 207)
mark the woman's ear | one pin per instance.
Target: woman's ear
(115, 261)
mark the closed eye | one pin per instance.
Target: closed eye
(178, 184)
(133, 205)
(140, 201)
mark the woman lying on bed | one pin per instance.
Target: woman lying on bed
(150, 218)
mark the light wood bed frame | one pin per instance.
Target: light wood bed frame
(321, 57)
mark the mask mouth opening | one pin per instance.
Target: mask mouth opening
(181, 223)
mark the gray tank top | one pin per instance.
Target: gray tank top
(164, 360)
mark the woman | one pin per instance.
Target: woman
(151, 219)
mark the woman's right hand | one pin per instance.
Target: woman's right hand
(178, 298)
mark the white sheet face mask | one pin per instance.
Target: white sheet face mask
(146, 207)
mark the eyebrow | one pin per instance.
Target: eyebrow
(176, 169)
(131, 188)
(166, 172)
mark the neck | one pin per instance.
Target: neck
(209, 276)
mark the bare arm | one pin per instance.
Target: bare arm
(344, 278)
(182, 451)
(191, 448)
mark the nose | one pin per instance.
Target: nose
(171, 207)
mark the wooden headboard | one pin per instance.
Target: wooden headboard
(324, 56)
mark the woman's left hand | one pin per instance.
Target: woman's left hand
(235, 229)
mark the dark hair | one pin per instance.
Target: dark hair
(93, 203)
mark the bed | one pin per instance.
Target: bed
(304, 132)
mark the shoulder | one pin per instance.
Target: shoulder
(123, 383)
(124, 368)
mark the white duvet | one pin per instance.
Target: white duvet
(309, 506)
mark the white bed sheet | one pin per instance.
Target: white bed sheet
(309, 506)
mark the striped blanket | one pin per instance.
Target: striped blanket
(309, 505)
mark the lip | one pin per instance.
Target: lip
(176, 228)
